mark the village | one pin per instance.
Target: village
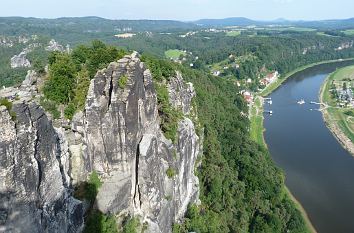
(264, 83)
(342, 92)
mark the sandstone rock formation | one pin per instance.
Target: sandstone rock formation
(54, 46)
(34, 193)
(118, 135)
(121, 139)
(20, 60)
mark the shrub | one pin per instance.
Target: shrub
(349, 113)
(70, 111)
(170, 172)
(122, 82)
(5, 102)
(169, 116)
(130, 225)
(88, 190)
(51, 107)
(98, 222)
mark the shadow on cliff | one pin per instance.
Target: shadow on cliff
(95, 220)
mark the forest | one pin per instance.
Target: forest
(241, 190)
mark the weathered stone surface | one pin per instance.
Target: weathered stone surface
(117, 134)
(180, 93)
(20, 60)
(127, 147)
(54, 46)
(34, 194)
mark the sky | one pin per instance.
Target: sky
(184, 10)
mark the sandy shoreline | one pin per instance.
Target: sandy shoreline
(302, 211)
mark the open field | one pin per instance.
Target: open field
(256, 119)
(349, 32)
(233, 33)
(339, 120)
(324, 34)
(174, 53)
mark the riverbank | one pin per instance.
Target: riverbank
(257, 134)
(336, 119)
(273, 86)
(302, 211)
(257, 128)
(256, 121)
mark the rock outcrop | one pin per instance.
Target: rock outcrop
(20, 60)
(53, 45)
(121, 139)
(118, 135)
(34, 189)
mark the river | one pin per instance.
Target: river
(319, 172)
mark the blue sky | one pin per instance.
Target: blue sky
(181, 9)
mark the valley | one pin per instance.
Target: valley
(166, 126)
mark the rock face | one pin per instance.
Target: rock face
(118, 135)
(54, 46)
(121, 139)
(34, 193)
(20, 60)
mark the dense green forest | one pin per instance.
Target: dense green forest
(36, 55)
(279, 49)
(241, 189)
(70, 74)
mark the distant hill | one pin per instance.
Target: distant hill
(327, 24)
(235, 21)
(87, 24)
(241, 21)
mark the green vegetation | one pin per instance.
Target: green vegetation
(338, 118)
(256, 120)
(162, 71)
(241, 189)
(169, 116)
(122, 82)
(51, 107)
(5, 102)
(171, 172)
(69, 74)
(233, 33)
(349, 32)
(96, 222)
(269, 89)
(174, 53)
(130, 225)
(88, 190)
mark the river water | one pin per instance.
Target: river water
(319, 172)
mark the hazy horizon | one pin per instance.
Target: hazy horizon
(183, 10)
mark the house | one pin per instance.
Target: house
(269, 78)
(248, 97)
